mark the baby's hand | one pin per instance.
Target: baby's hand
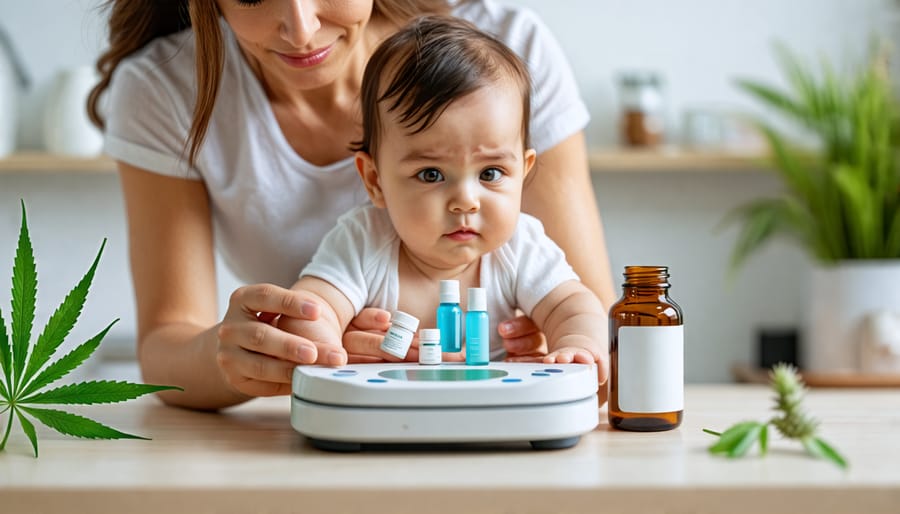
(571, 354)
(577, 354)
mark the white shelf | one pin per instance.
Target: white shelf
(42, 163)
(673, 159)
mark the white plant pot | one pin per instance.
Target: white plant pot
(9, 99)
(67, 128)
(844, 299)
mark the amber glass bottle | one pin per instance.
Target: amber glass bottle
(646, 351)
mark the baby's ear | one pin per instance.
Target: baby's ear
(368, 172)
(530, 158)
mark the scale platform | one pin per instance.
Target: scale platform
(370, 405)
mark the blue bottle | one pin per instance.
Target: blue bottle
(478, 341)
(449, 317)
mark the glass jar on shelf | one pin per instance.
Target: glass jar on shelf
(642, 103)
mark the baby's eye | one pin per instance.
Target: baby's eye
(490, 175)
(430, 175)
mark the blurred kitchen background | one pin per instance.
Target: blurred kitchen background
(663, 206)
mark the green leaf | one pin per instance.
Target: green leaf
(24, 373)
(24, 297)
(892, 246)
(861, 211)
(28, 428)
(66, 364)
(761, 220)
(759, 225)
(791, 167)
(75, 425)
(738, 439)
(819, 448)
(764, 440)
(61, 322)
(99, 391)
(8, 428)
(773, 98)
(5, 351)
(712, 432)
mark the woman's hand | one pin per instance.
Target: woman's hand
(523, 341)
(254, 355)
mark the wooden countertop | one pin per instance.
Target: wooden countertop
(249, 459)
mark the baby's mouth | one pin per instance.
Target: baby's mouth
(463, 234)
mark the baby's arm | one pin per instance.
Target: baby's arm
(335, 313)
(575, 324)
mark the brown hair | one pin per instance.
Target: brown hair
(134, 23)
(427, 65)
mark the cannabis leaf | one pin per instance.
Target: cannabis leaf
(25, 373)
(793, 423)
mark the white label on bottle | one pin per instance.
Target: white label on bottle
(651, 369)
(397, 341)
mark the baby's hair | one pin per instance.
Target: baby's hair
(428, 64)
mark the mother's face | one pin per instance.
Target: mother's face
(300, 44)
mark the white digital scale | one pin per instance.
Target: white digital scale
(369, 405)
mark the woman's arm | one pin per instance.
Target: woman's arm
(558, 191)
(180, 341)
(173, 272)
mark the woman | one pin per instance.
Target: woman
(231, 122)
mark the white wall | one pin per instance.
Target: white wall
(698, 45)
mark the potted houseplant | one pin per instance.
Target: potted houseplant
(841, 202)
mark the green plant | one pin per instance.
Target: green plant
(791, 422)
(25, 373)
(843, 200)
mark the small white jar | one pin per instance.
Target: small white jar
(399, 337)
(430, 346)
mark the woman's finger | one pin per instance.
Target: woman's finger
(525, 358)
(363, 359)
(251, 300)
(521, 337)
(453, 357)
(252, 387)
(242, 365)
(265, 339)
(517, 327)
(528, 345)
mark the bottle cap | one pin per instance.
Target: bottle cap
(405, 320)
(449, 291)
(430, 334)
(477, 299)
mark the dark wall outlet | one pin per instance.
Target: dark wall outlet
(776, 345)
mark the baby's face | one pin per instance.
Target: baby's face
(454, 190)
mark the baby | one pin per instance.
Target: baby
(443, 157)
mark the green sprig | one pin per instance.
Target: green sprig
(24, 366)
(791, 422)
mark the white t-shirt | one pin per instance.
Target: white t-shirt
(360, 256)
(270, 207)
